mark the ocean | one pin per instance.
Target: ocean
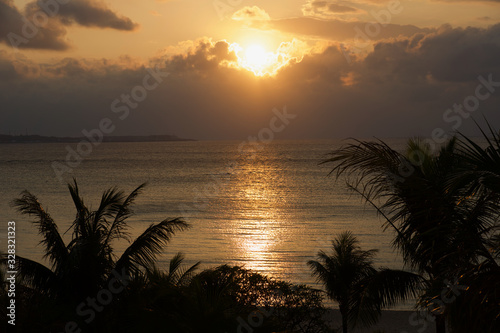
(270, 210)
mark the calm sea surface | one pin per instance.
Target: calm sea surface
(270, 211)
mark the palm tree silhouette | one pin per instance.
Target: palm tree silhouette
(440, 229)
(88, 263)
(157, 297)
(361, 291)
(479, 178)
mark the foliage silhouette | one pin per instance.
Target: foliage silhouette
(88, 263)
(361, 291)
(442, 209)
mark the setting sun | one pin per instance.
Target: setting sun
(258, 60)
(256, 56)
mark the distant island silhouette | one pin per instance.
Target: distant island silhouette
(54, 139)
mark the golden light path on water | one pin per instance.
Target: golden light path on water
(259, 227)
(259, 233)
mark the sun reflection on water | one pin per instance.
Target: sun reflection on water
(261, 212)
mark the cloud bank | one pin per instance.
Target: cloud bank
(402, 87)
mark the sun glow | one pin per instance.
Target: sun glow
(261, 62)
(257, 58)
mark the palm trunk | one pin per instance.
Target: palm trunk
(343, 313)
(344, 324)
(440, 324)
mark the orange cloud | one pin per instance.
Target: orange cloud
(251, 14)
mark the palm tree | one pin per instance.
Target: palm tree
(479, 180)
(87, 264)
(481, 168)
(361, 291)
(439, 229)
(157, 297)
(177, 275)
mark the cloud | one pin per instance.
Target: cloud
(251, 14)
(328, 9)
(340, 30)
(457, 54)
(401, 88)
(94, 13)
(7, 70)
(44, 27)
(336, 8)
(17, 29)
(203, 58)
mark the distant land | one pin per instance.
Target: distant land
(54, 139)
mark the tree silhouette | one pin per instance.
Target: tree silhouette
(88, 263)
(361, 291)
(442, 226)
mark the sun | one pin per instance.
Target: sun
(257, 59)
(256, 56)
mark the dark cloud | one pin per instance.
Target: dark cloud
(93, 13)
(402, 87)
(206, 57)
(328, 9)
(336, 8)
(17, 30)
(7, 70)
(340, 30)
(449, 54)
(44, 27)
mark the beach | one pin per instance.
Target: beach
(392, 321)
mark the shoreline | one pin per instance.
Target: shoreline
(13, 139)
(392, 321)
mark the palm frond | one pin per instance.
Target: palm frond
(322, 275)
(110, 205)
(374, 167)
(36, 276)
(55, 249)
(482, 170)
(80, 224)
(178, 275)
(118, 227)
(380, 290)
(143, 251)
(378, 209)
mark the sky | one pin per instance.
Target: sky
(225, 69)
